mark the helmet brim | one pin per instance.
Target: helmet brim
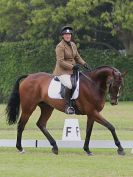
(66, 30)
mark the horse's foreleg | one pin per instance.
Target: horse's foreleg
(46, 112)
(89, 127)
(102, 121)
(50, 139)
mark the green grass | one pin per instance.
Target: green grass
(70, 162)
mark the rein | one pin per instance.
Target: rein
(89, 79)
(109, 83)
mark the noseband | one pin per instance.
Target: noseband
(110, 85)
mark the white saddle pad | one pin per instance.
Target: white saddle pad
(55, 88)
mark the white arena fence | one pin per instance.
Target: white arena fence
(65, 144)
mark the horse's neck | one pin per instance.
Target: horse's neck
(102, 74)
(100, 77)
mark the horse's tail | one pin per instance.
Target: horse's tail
(12, 109)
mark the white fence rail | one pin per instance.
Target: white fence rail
(65, 144)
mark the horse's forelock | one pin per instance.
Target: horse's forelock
(117, 72)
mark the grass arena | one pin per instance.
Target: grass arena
(72, 162)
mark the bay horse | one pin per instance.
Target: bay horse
(31, 91)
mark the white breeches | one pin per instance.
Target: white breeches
(65, 79)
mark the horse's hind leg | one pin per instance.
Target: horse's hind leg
(46, 112)
(21, 125)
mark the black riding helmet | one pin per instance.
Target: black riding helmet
(66, 30)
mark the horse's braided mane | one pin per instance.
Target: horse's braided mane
(105, 66)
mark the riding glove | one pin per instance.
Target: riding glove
(86, 66)
(76, 67)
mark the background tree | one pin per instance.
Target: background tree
(13, 19)
(110, 16)
(120, 21)
(107, 23)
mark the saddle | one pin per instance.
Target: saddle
(56, 90)
(74, 80)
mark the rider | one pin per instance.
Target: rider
(68, 60)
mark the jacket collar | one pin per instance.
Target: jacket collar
(67, 46)
(65, 43)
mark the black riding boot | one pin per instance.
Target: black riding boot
(68, 108)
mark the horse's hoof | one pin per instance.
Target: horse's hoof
(121, 152)
(21, 151)
(89, 153)
(55, 151)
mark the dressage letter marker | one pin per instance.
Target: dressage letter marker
(67, 130)
(71, 130)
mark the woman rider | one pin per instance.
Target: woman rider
(68, 60)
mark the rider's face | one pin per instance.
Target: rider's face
(67, 37)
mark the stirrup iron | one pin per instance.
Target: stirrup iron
(70, 110)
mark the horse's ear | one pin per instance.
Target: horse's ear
(125, 73)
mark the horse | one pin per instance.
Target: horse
(31, 91)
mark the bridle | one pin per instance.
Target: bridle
(110, 84)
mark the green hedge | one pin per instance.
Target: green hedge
(98, 58)
(23, 58)
(35, 56)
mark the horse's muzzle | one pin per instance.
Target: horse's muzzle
(114, 101)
